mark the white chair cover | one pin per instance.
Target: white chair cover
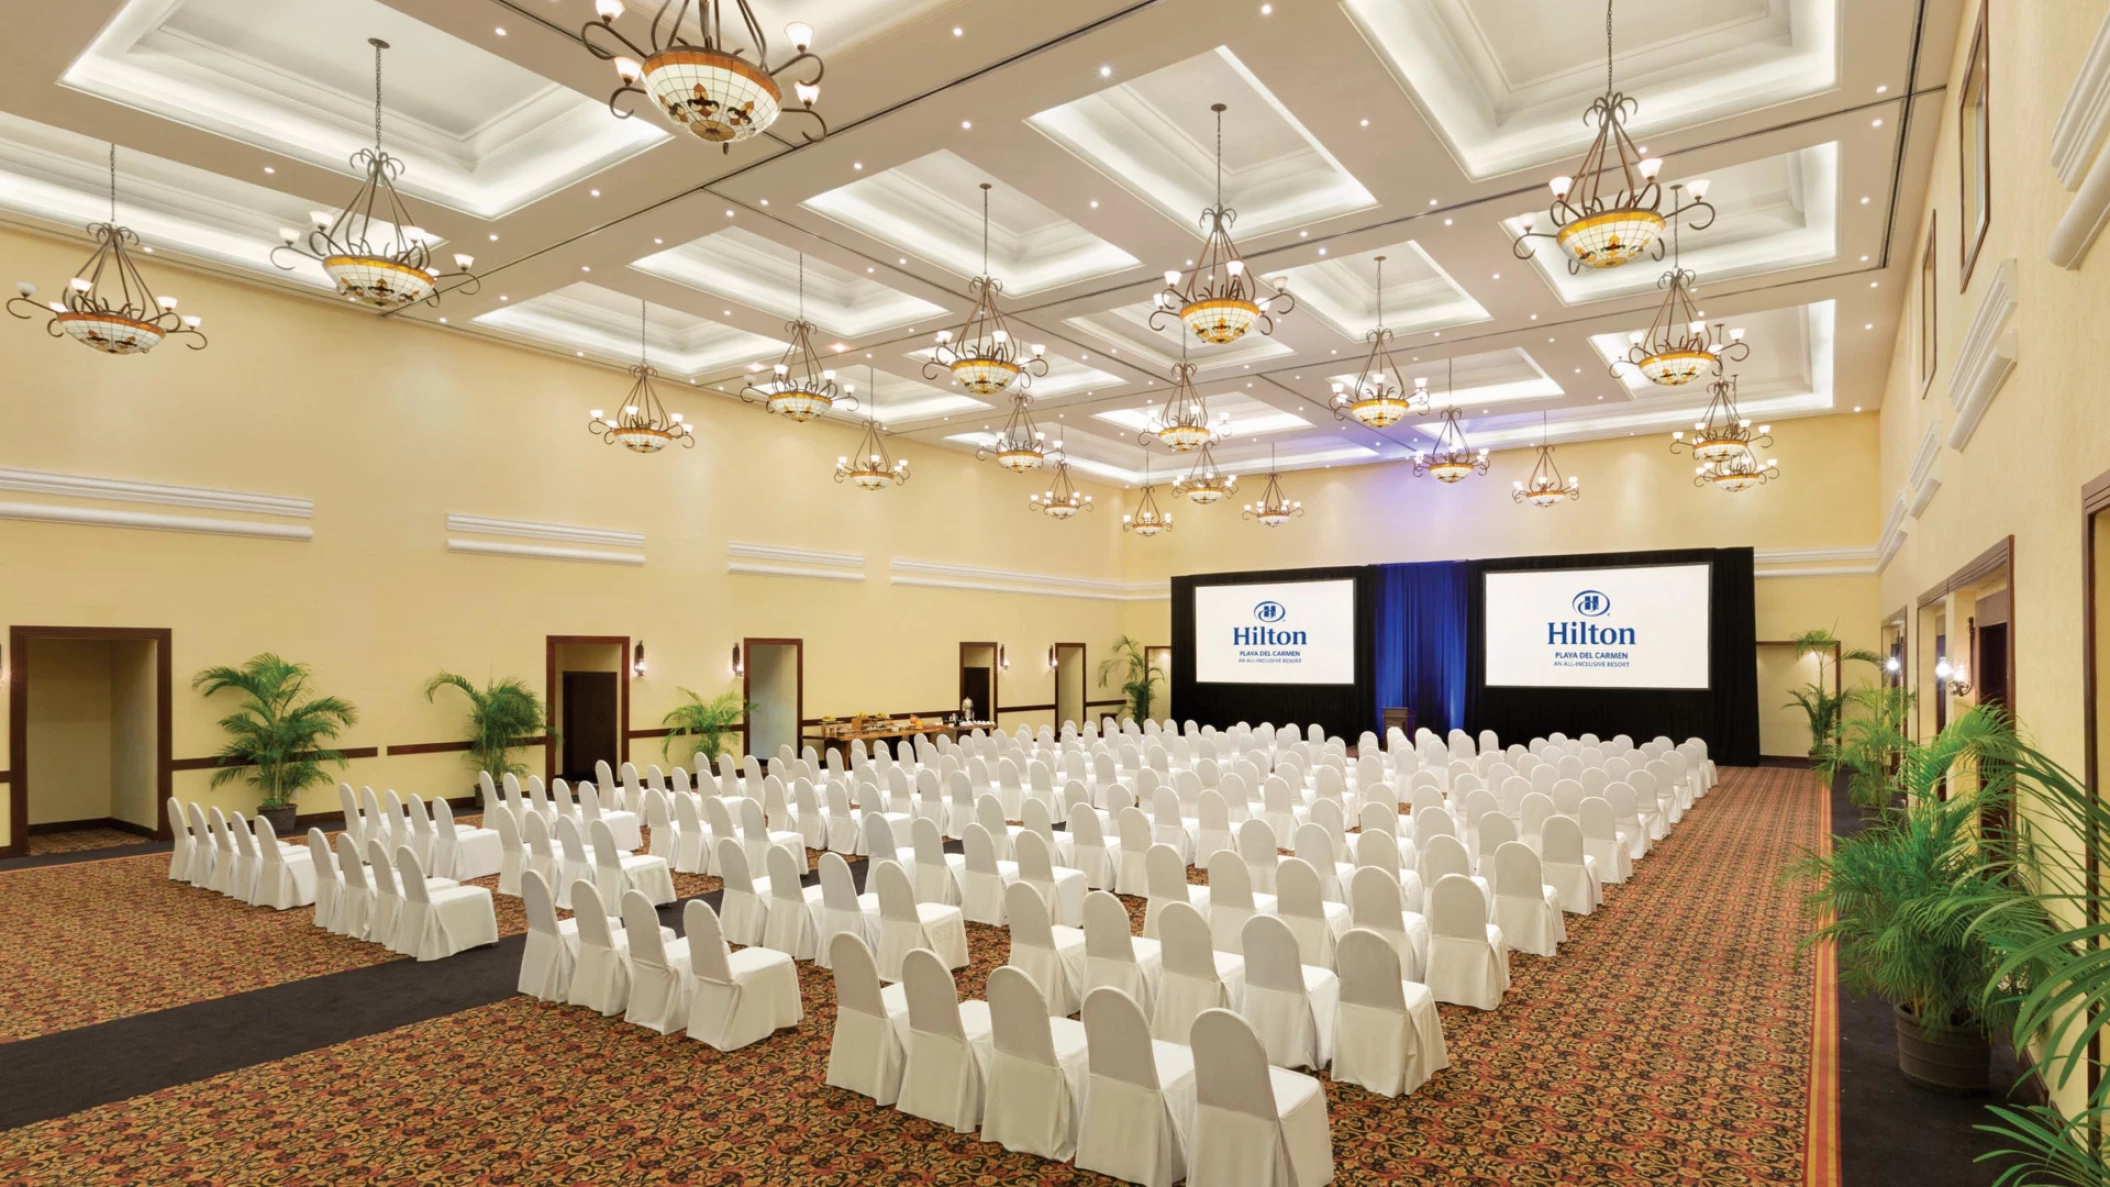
(438, 922)
(1232, 900)
(843, 910)
(1063, 889)
(600, 978)
(744, 899)
(865, 1053)
(1194, 975)
(983, 877)
(735, 998)
(1468, 959)
(1601, 840)
(1053, 956)
(793, 926)
(1254, 1125)
(1290, 1004)
(1389, 1038)
(1113, 958)
(1378, 908)
(355, 900)
(905, 924)
(1570, 870)
(1139, 1101)
(1037, 1071)
(659, 976)
(286, 876)
(949, 1045)
(552, 945)
(615, 871)
(1299, 903)
(1527, 910)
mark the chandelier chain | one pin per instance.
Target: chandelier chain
(1607, 47)
(1380, 292)
(379, 45)
(985, 228)
(113, 181)
(642, 356)
(1219, 154)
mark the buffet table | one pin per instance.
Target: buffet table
(839, 738)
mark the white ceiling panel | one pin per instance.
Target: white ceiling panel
(597, 321)
(742, 266)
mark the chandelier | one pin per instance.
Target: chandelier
(711, 90)
(1380, 399)
(1204, 484)
(1453, 460)
(107, 304)
(1060, 500)
(873, 465)
(645, 426)
(813, 390)
(1546, 487)
(981, 355)
(1726, 445)
(372, 248)
(1218, 309)
(1183, 426)
(1274, 508)
(1146, 519)
(1612, 209)
(1678, 346)
(1021, 446)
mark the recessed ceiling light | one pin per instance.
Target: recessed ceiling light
(595, 193)
(494, 236)
(869, 271)
(728, 313)
(580, 353)
(1872, 284)
(659, 241)
(966, 125)
(585, 268)
(1549, 339)
(1366, 123)
(1869, 326)
(1578, 370)
(1881, 89)
(728, 212)
(1322, 251)
(1600, 397)
(1446, 222)
(857, 164)
(443, 321)
(1106, 71)
(1432, 201)
(1267, 10)
(904, 260)
(1498, 276)
(958, 31)
(1864, 199)
(500, 30)
(503, 297)
(1095, 204)
(269, 169)
(1534, 317)
(1439, 334)
(1875, 123)
(765, 201)
(1857, 408)
(1303, 234)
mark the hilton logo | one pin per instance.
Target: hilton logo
(1589, 603)
(1261, 636)
(1269, 612)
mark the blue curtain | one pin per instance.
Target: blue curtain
(1421, 641)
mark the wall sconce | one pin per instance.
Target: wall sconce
(1958, 681)
(739, 665)
(637, 659)
(1054, 661)
(1893, 665)
(1002, 661)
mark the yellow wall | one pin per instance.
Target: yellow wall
(134, 772)
(69, 730)
(389, 427)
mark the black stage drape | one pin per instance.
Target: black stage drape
(1340, 709)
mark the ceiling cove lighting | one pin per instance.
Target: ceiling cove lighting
(373, 248)
(1678, 347)
(874, 465)
(1060, 500)
(1219, 302)
(1612, 209)
(709, 87)
(1453, 459)
(1183, 424)
(1380, 398)
(981, 354)
(1204, 483)
(1274, 508)
(1022, 446)
(644, 426)
(1546, 487)
(107, 305)
(799, 387)
(1725, 444)
(1146, 520)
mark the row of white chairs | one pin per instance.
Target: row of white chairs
(449, 850)
(388, 900)
(242, 860)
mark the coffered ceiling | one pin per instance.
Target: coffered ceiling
(1416, 130)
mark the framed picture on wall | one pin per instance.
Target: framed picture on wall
(1929, 332)
(1974, 125)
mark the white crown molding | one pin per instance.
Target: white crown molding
(2084, 219)
(942, 576)
(80, 486)
(544, 531)
(1987, 356)
(543, 552)
(1893, 537)
(1793, 556)
(1926, 470)
(148, 521)
(1806, 571)
(2085, 117)
(779, 561)
(1923, 494)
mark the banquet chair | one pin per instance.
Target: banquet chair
(1291, 1005)
(1193, 975)
(1442, 855)
(1166, 883)
(1532, 819)
(1468, 956)
(938, 874)
(1317, 849)
(476, 852)
(231, 875)
(1039, 817)
(1496, 830)
(865, 1052)
(659, 974)
(574, 860)
(1115, 957)
(1381, 912)
(948, 1049)
(756, 837)
(792, 925)
(843, 910)
(1378, 850)
(1526, 909)
(286, 876)
(1169, 827)
(744, 901)
(615, 871)
(329, 884)
(735, 998)
(1316, 923)
(355, 900)
(1138, 1097)
(1212, 832)
(438, 922)
(512, 853)
(1388, 1038)
(1131, 875)
(906, 924)
(1062, 889)
(1606, 843)
(552, 948)
(1259, 846)
(179, 832)
(204, 850)
(1089, 853)
(1568, 868)
(983, 877)
(1232, 899)
(1037, 1070)
(989, 813)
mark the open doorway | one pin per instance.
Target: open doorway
(978, 681)
(1160, 661)
(1783, 727)
(89, 731)
(773, 683)
(587, 681)
(1070, 670)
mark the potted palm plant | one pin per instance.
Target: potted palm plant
(275, 739)
(1826, 708)
(707, 721)
(504, 715)
(1139, 679)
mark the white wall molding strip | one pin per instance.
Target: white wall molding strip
(772, 560)
(543, 552)
(1987, 356)
(1926, 470)
(1893, 537)
(933, 575)
(149, 521)
(2085, 117)
(544, 531)
(81, 486)
(1808, 571)
(1795, 556)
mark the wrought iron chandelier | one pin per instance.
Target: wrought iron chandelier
(1725, 443)
(800, 387)
(981, 355)
(1219, 301)
(1146, 519)
(645, 425)
(706, 86)
(1274, 508)
(1453, 459)
(1204, 483)
(1060, 500)
(1021, 446)
(1612, 209)
(872, 465)
(1380, 398)
(107, 304)
(1679, 347)
(1183, 425)
(373, 248)
(1546, 486)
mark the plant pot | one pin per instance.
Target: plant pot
(283, 820)
(1957, 1062)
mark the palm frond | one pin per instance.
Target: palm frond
(504, 715)
(707, 721)
(275, 740)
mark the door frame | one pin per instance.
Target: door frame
(747, 669)
(550, 644)
(2095, 500)
(18, 719)
(2000, 556)
(996, 674)
(1084, 694)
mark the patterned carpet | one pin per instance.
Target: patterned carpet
(1668, 1043)
(81, 840)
